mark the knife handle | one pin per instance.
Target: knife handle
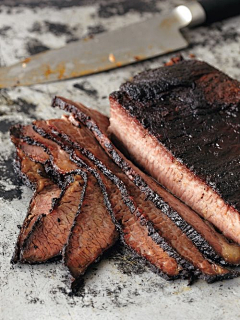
(217, 10)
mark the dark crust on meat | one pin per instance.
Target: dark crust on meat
(194, 111)
(28, 244)
(182, 274)
(80, 163)
(42, 185)
(79, 227)
(189, 272)
(196, 238)
(106, 144)
(65, 178)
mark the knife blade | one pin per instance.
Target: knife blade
(133, 43)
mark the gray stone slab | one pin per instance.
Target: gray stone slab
(110, 292)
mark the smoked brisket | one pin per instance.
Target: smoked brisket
(61, 164)
(164, 226)
(45, 196)
(181, 123)
(136, 232)
(159, 196)
(87, 192)
(50, 232)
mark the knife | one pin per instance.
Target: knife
(133, 43)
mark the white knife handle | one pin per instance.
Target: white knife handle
(190, 14)
(206, 11)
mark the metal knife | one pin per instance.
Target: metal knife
(137, 42)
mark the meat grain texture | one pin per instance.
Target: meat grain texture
(159, 196)
(88, 118)
(168, 120)
(181, 123)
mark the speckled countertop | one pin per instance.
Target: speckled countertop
(114, 288)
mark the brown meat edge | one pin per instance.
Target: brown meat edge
(168, 171)
(80, 162)
(66, 104)
(50, 232)
(80, 137)
(34, 176)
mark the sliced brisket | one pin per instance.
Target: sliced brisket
(59, 159)
(61, 164)
(45, 195)
(181, 123)
(84, 246)
(163, 226)
(159, 196)
(50, 232)
(135, 235)
(93, 231)
(135, 230)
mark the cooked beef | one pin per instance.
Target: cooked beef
(133, 231)
(162, 224)
(93, 231)
(44, 198)
(50, 232)
(60, 160)
(89, 237)
(62, 164)
(136, 232)
(159, 196)
(152, 233)
(181, 123)
(32, 174)
(84, 141)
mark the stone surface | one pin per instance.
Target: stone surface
(114, 288)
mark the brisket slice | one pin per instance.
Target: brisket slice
(93, 218)
(45, 196)
(229, 251)
(93, 231)
(161, 223)
(32, 174)
(136, 232)
(50, 232)
(181, 123)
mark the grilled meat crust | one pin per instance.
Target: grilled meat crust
(181, 124)
(60, 163)
(46, 194)
(50, 233)
(132, 225)
(92, 125)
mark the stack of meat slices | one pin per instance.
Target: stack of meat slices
(88, 194)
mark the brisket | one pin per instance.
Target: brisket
(59, 160)
(50, 232)
(159, 196)
(93, 231)
(181, 123)
(45, 195)
(162, 224)
(135, 230)
(134, 234)
(80, 137)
